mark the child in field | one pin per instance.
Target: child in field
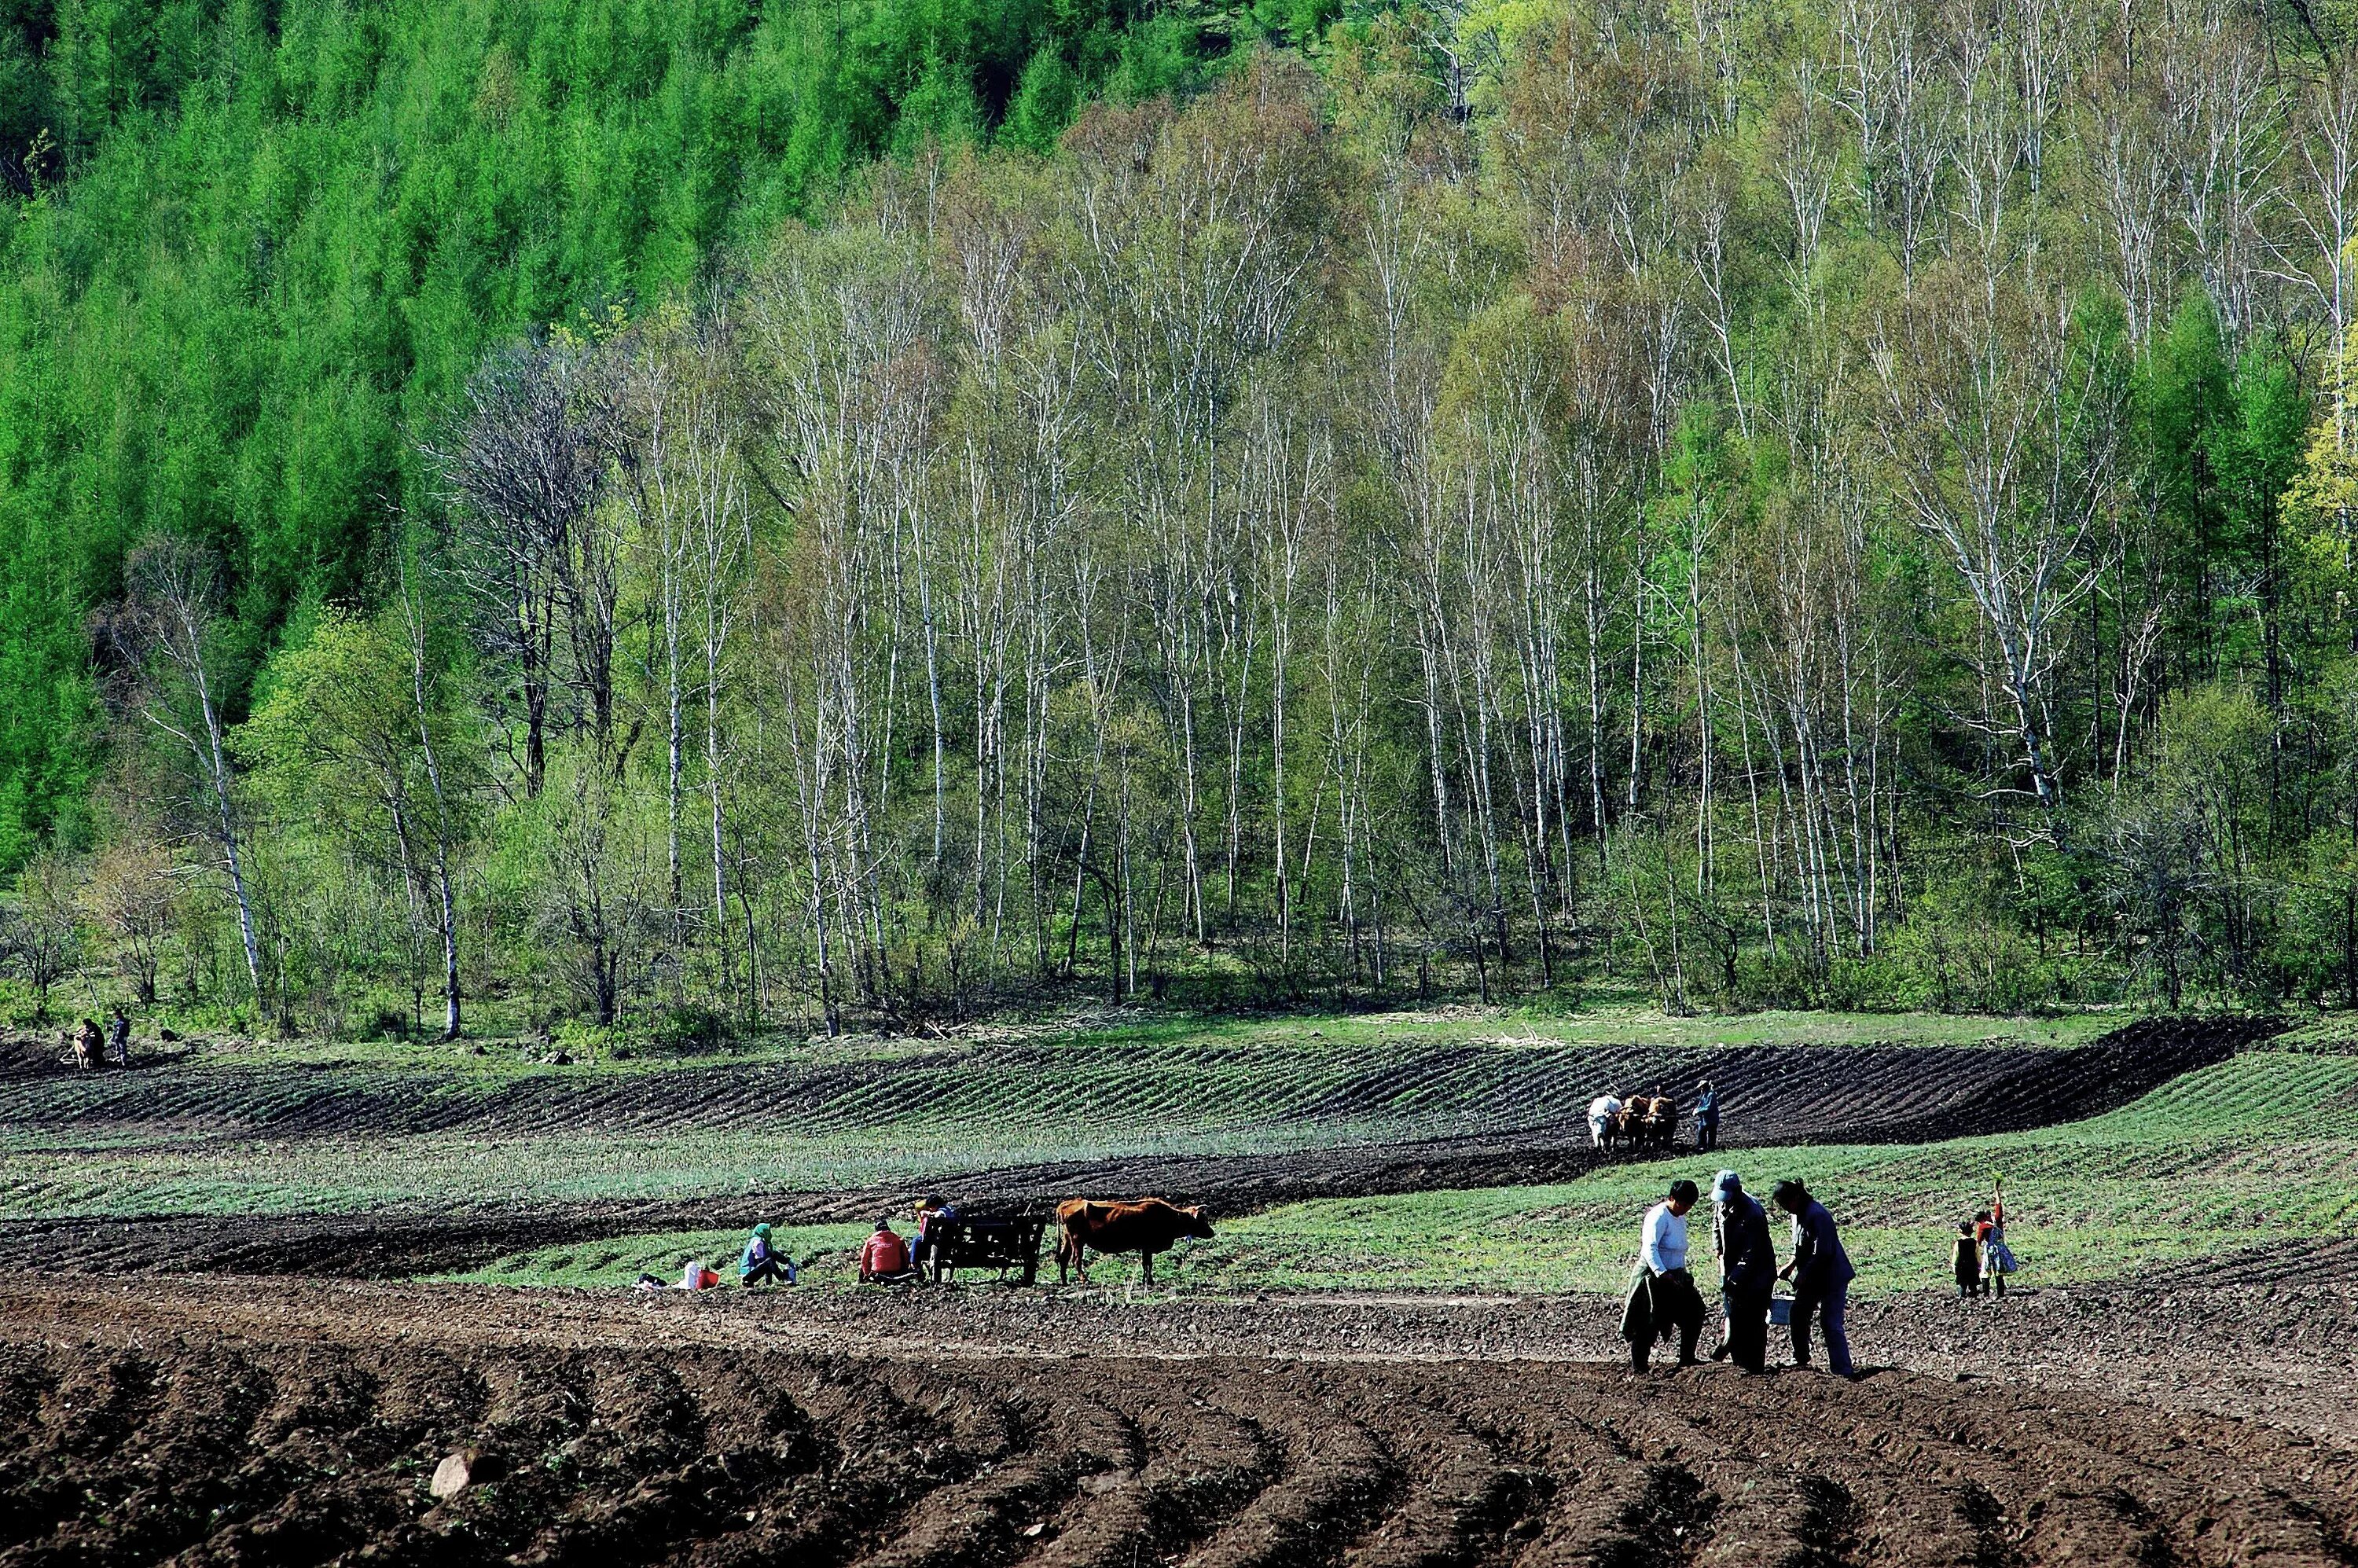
(1997, 1258)
(1966, 1259)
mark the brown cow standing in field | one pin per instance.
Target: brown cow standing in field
(1146, 1226)
(1662, 1124)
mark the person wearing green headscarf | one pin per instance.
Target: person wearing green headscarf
(762, 1262)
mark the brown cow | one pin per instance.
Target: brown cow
(1146, 1226)
(1662, 1121)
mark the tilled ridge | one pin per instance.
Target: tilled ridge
(223, 1449)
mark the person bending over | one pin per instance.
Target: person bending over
(1821, 1273)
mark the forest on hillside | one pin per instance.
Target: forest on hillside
(589, 516)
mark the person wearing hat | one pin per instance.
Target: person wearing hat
(1821, 1273)
(1748, 1271)
(1662, 1296)
(933, 1211)
(763, 1263)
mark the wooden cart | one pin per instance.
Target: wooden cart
(1008, 1243)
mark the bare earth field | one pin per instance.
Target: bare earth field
(228, 1421)
(226, 1377)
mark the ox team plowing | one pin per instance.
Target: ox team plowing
(1650, 1121)
(946, 1238)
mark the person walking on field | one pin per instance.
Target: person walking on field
(1820, 1272)
(1707, 1120)
(1663, 1296)
(1748, 1271)
(118, 1039)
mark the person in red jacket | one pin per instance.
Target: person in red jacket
(885, 1258)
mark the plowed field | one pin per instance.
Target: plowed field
(2199, 1412)
(233, 1424)
(383, 1172)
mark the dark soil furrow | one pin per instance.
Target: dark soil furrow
(1199, 1466)
(1337, 1477)
(225, 1447)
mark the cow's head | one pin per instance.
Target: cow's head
(1197, 1225)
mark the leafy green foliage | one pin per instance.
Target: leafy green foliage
(271, 242)
(1731, 604)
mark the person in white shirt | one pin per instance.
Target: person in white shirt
(1663, 1296)
(1666, 1234)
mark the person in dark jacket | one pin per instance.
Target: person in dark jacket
(118, 1039)
(1821, 1273)
(1707, 1122)
(1748, 1271)
(1662, 1297)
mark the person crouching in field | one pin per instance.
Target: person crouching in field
(885, 1259)
(1965, 1261)
(1663, 1296)
(761, 1263)
(1748, 1271)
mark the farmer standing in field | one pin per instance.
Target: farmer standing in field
(1663, 1296)
(1748, 1272)
(1820, 1272)
(1708, 1119)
